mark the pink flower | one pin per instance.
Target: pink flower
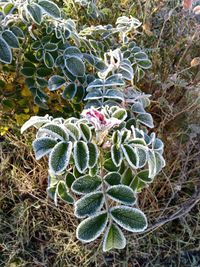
(187, 4)
(99, 120)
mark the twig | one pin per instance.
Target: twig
(185, 209)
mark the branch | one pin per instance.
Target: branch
(185, 209)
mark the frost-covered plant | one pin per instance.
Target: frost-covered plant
(100, 160)
(49, 51)
(99, 163)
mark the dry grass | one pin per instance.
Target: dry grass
(35, 233)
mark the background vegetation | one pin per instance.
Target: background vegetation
(33, 232)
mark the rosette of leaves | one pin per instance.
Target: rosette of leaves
(99, 165)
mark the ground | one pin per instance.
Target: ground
(35, 233)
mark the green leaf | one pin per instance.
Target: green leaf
(50, 47)
(48, 60)
(85, 132)
(140, 56)
(112, 178)
(114, 80)
(73, 131)
(95, 94)
(54, 131)
(17, 31)
(69, 179)
(122, 193)
(10, 39)
(43, 146)
(110, 166)
(64, 194)
(113, 94)
(100, 65)
(55, 82)
(137, 185)
(160, 162)
(86, 184)
(28, 71)
(91, 228)
(138, 108)
(5, 52)
(146, 119)
(50, 8)
(130, 155)
(114, 238)
(126, 70)
(144, 176)
(116, 137)
(131, 219)
(81, 156)
(8, 8)
(144, 64)
(89, 204)
(116, 154)
(43, 72)
(69, 91)
(79, 94)
(42, 82)
(93, 154)
(59, 157)
(120, 114)
(35, 13)
(40, 101)
(142, 157)
(127, 177)
(97, 83)
(93, 171)
(72, 51)
(75, 66)
(126, 134)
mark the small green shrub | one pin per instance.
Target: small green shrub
(104, 160)
(104, 154)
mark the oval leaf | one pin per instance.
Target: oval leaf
(93, 154)
(55, 82)
(131, 219)
(73, 131)
(130, 155)
(85, 131)
(75, 66)
(86, 184)
(10, 39)
(112, 178)
(50, 8)
(43, 146)
(116, 154)
(54, 131)
(114, 238)
(91, 228)
(63, 193)
(35, 13)
(89, 204)
(81, 156)
(122, 193)
(69, 91)
(59, 157)
(5, 52)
